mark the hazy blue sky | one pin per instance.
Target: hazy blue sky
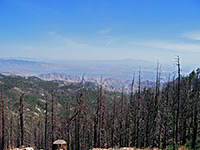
(101, 29)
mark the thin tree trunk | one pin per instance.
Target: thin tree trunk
(100, 116)
(178, 100)
(3, 119)
(195, 123)
(68, 125)
(11, 130)
(82, 121)
(156, 141)
(130, 121)
(121, 120)
(22, 119)
(52, 115)
(46, 122)
(113, 123)
(138, 112)
(166, 116)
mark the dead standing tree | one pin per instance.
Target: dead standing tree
(68, 123)
(138, 109)
(80, 120)
(46, 123)
(21, 111)
(178, 100)
(184, 99)
(121, 127)
(99, 115)
(98, 121)
(113, 127)
(165, 100)
(3, 119)
(77, 126)
(52, 115)
(156, 140)
(130, 120)
(195, 109)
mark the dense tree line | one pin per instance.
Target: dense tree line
(165, 115)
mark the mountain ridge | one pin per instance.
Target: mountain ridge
(118, 69)
(110, 84)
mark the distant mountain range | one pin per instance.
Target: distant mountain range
(118, 69)
(117, 74)
(27, 67)
(110, 84)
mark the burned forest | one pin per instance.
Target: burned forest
(36, 113)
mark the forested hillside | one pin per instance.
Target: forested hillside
(36, 112)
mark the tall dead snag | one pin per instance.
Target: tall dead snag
(11, 130)
(98, 119)
(148, 100)
(156, 138)
(138, 110)
(178, 99)
(173, 107)
(21, 111)
(77, 126)
(165, 101)
(82, 121)
(113, 123)
(68, 124)
(52, 114)
(121, 118)
(79, 121)
(99, 116)
(159, 118)
(46, 122)
(95, 130)
(3, 119)
(184, 109)
(195, 110)
(82, 112)
(104, 120)
(142, 117)
(130, 121)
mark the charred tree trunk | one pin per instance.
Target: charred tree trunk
(138, 111)
(82, 122)
(100, 116)
(11, 130)
(195, 122)
(95, 131)
(173, 114)
(52, 115)
(178, 100)
(121, 119)
(166, 106)
(156, 141)
(113, 124)
(77, 126)
(130, 121)
(68, 125)
(46, 123)
(104, 135)
(22, 119)
(3, 120)
(184, 108)
(98, 119)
